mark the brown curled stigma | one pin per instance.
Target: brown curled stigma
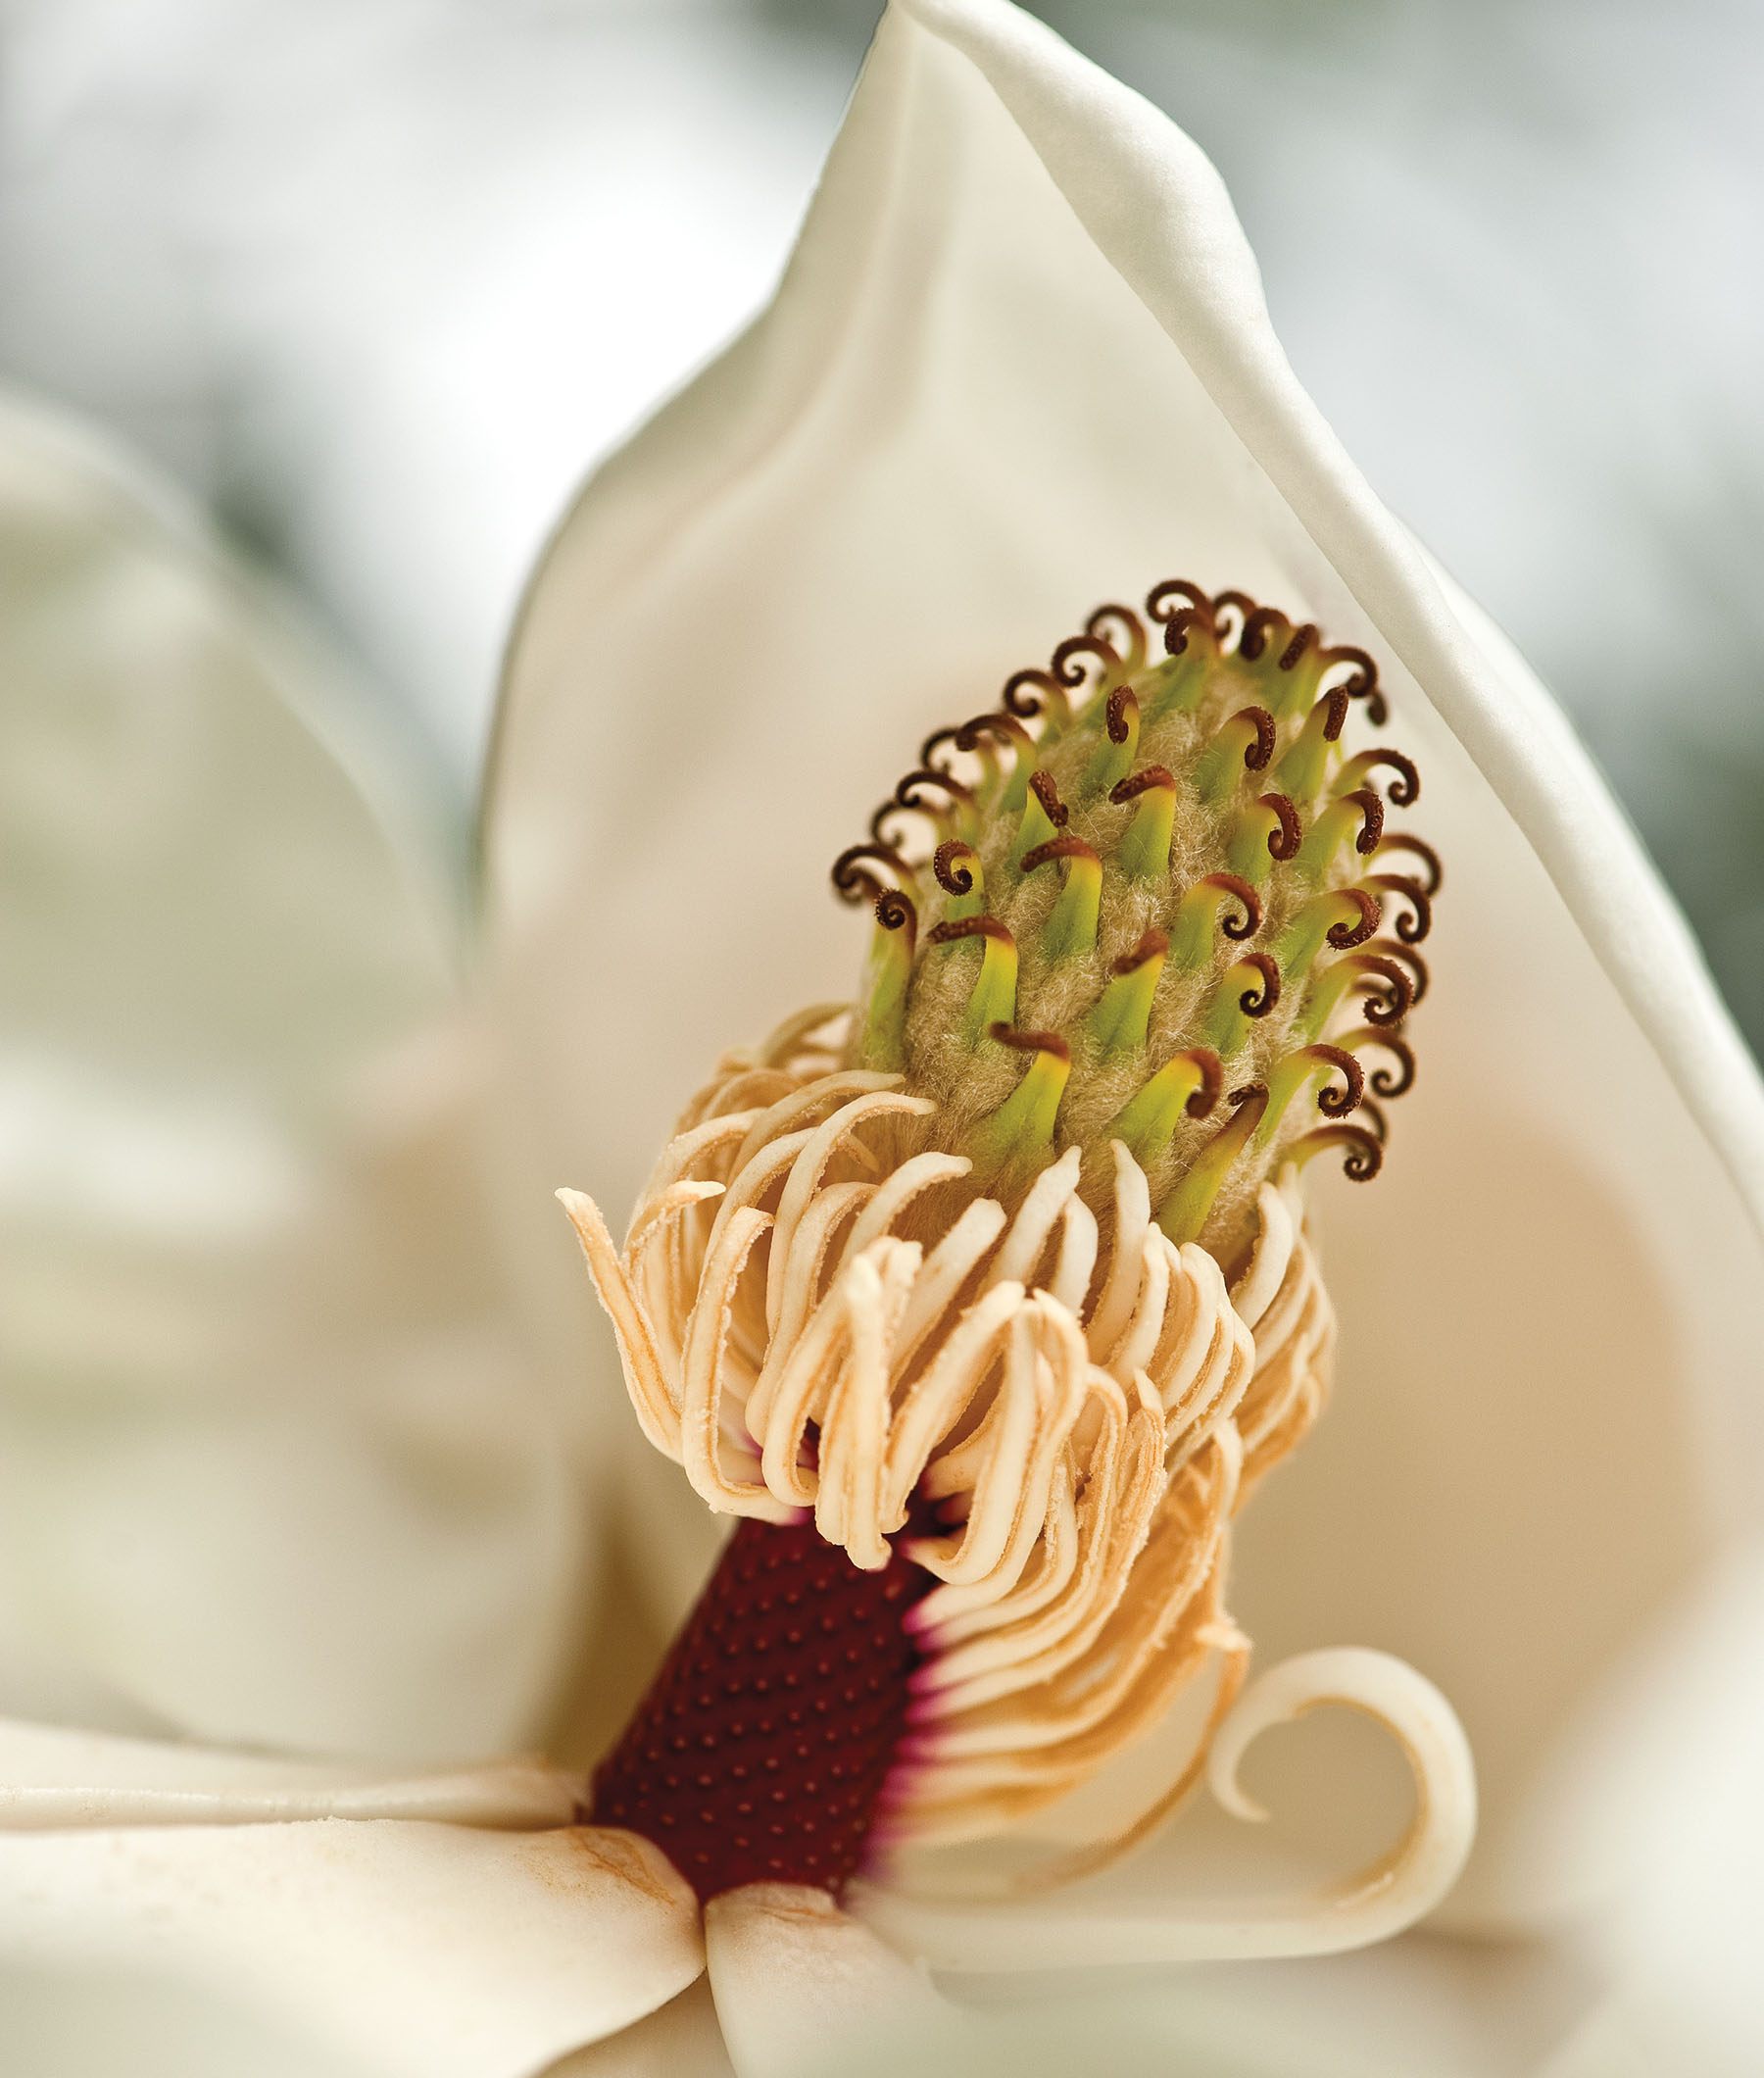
(1336, 701)
(895, 912)
(1405, 956)
(1153, 946)
(1370, 804)
(1003, 728)
(1386, 1083)
(1258, 1003)
(1284, 842)
(855, 884)
(1259, 621)
(1383, 1010)
(1212, 1080)
(1417, 920)
(1293, 654)
(1115, 715)
(1041, 785)
(1030, 1042)
(1372, 1113)
(1344, 936)
(1056, 848)
(886, 831)
(1237, 928)
(1334, 1102)
(954, 928)
(1257, 754)
(1406, 789)
(1176, 596)
(1364, 1156)
(907, 792)
(1064, 664)
(1029, 693)
(952, 876)
(1142, 782)
(1402, 841)
(1112, 619)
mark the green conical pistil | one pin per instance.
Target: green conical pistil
(1248, 990)
(1187, 1087)
(1184, 1212)
(1390, 987)
(1357, 817)
(1119, 747)
(1343, 919)
(1017, 1136)
(1071, 927)
(1123, 1013)
(1043, 816)
(994, 997)
(985, 729)
(1143, 853)
(1266, 830)
(1405, 789)
(1197, 918)
(957, 866)
(1363, 1157)
(887, 980)
(1243, 744)
(1298, 1070)
(1305, 765)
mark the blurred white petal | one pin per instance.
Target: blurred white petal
(272, 1462)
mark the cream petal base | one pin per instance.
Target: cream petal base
(433, 1950)
(793, 1975)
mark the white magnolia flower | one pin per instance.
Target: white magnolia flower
(1019, 363)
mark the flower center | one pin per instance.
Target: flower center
(989, 1300)
(762, 1752)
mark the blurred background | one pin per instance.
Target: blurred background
(376, 280)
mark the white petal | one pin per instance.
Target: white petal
(433, 1949)
(272, 1461)
(681, 2041)
(1020, 364)
(50, 1778)
(792, 1975)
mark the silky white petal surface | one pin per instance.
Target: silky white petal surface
(793, 1977)
(271, 1462)
(1020, 364)
(433, 1949)
(51, 1778)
